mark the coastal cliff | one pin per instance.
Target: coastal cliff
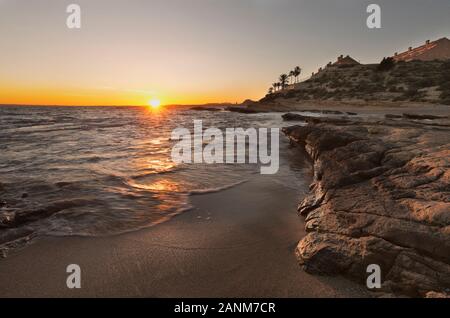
(401, 84)
(380, 195)
(416, 81)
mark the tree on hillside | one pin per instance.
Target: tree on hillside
(278, 85)
(275, 86)
(270, 91)
(283, 80)
(291, 76)
(297, 72)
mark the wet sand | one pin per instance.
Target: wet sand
(236, 243)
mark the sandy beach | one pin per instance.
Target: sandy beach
(235, 243)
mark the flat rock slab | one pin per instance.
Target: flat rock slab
(380, 195)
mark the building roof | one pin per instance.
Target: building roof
(341, 60)
(439, 49)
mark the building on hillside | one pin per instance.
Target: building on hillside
(436, 50)
(341, 60)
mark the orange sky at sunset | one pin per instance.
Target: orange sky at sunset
(189, 52)
(73, 96)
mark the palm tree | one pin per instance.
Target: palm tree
(297, 72)
(275, 86)
(283, 80)
(291, 76)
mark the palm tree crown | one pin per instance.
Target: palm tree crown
(275, 86)
(278, 85)
(291, 76)
(297, 72)
(283, 80)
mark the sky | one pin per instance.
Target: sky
(128, 52)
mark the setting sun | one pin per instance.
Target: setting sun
(154, 103)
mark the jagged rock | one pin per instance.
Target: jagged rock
(433, 294)
(249, 102)
(381, 195)
(333, 112)
(294, 117)
(393, 116)
(27, 216)
(418, 116)
(314, 120)
(324, 111)
(210, 109)
(242, 110)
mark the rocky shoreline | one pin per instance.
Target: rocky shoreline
(380, 195)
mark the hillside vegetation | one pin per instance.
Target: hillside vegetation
(416, 81)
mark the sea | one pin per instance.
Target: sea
(98, 171)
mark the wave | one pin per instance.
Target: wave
(217, 189)
(99, 172)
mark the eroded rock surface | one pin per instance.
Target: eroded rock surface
(381, 195)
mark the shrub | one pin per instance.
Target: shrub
(290, 94)
(425, 82)
(376, 78)
(411, 92)
(386, 64)
(319, 93)
(445, 95)
(393, 89)
(399, 99)
(393, 81)
(363, 86)
(445, 66)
